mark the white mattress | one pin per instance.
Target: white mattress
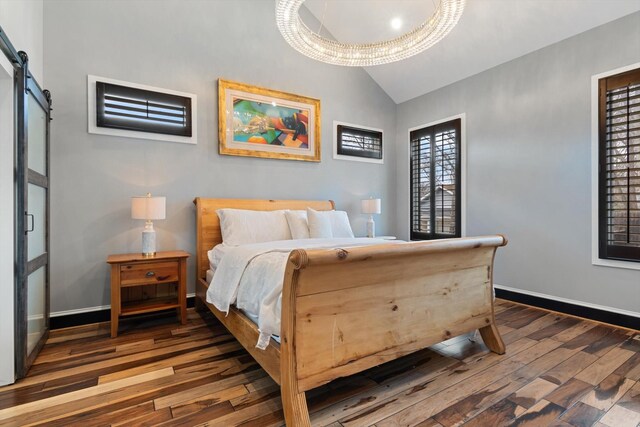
(250, 277)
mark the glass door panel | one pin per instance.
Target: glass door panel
(32, 204)
(37, 132)
(36, 221)
(36, 307)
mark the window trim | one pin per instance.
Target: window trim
(95, 129)
(463, 169)
(355, 158)
(595, 176)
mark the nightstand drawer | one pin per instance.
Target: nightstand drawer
(148, 273)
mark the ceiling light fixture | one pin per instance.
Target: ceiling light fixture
(313, 45)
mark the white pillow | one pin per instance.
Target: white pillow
(319, 224)
(323, 224)
(340, 226)
(298, 224)
(241, 227)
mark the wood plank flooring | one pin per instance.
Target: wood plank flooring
(558, 371)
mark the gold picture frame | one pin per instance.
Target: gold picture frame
(266, 123)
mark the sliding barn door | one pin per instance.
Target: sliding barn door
(32, 218)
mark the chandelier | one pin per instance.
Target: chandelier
(320, 48)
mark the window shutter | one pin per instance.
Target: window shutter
(435, 181)
(359, 142)
(123, 107)
(619, 157)
(420, 184)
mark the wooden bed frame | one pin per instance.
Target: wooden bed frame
(347, 310)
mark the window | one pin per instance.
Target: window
(132, 110)
(435, 181)
(353, 142)
(123, 107)
(619, 166)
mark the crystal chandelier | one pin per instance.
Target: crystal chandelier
(313, 45)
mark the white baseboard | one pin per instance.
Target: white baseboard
(90, 309)
(569, 301)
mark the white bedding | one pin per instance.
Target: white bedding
(215, 255)
(251, 276)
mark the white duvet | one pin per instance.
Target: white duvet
(251, 276)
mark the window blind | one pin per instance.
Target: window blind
(435, 181)
(619, 158)
(123, 107)
(359, 142)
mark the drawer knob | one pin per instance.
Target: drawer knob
(150, 274)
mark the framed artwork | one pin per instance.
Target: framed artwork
(259, 122)
(357, 143)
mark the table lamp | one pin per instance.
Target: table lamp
(148, 208)
(370, 207)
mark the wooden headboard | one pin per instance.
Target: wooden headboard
(208, 224)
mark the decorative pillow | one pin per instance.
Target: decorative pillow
(298, 224)
(340, 226)
(319, 224)
(324, 224)
(241, 227)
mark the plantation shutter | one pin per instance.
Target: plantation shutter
(435, 181)
(359, 142)
(619, 171)
(123, 107)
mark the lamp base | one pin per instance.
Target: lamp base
(371, 227)
(149, 242)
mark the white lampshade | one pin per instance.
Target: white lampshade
(371, 206)
(147, 207)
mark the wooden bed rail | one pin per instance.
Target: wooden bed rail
(301, 257)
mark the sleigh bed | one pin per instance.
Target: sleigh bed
(347, 310)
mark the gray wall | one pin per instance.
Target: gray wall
(22, 21)
(529, 162)
(186, 46)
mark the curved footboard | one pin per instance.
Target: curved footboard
(347, 310)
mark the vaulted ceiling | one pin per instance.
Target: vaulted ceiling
(489, 33)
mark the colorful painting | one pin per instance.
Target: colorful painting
(262, 122)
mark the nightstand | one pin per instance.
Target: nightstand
(144, 285)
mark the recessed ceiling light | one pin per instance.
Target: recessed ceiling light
(396, 23)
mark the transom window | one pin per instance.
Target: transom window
(435, 181)
(129, 108)
(359, 142)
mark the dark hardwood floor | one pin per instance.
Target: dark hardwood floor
(558, 371)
